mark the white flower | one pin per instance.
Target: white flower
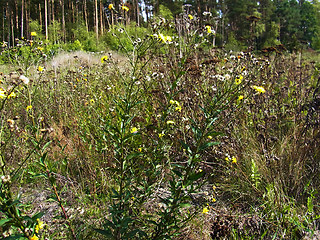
(24, 79)
(5, 179)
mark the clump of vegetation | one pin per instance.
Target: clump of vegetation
(173, 140)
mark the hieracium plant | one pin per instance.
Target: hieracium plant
(155, 144)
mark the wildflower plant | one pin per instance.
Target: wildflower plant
(14, 221)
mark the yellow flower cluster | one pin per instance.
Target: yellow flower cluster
(34, 237)
(239, 79)
(12, 95)
(161, 135)
(125, 8)
(190, 16)
(177, 104)
(165, 39)
(2, 93)
(259, 89)
(28, 108)
(39, 226)
(233, 159)
(205, 210)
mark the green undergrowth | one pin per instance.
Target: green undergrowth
(167, 141)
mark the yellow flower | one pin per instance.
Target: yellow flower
(140, 149)
(205, 210)
(259, 89)
(40, 48)
(34, 237)
(12, 95)
(170, 122)
(161, 135)
(210, 137)
(162, 38)
(125, 8)
(240, 97)
(33, 34)
(104, 58)
(10, 121)
(234, 160)
(134, 130)
(178, 108)
(190, 16)
(213, 199)
(92, 100)
(2, 93)
(227, 159)
(28, 108)
(208, 29)
(239, 80)
(168, 38)
(39, 226)
(111, 6)
(40, 69)
(165, 39)
(174, 102)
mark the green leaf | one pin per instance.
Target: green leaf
(46, 145)
(104, 232)
(4, 221)
(37, 215)
(195, 176)
(18, 236)
(133, 155)
(108, 223)
(185, 205)
(132, 234)
(177, 172)
(207, 144)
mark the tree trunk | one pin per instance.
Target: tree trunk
(63, 20)
(72, 9)
(12, 28)
(27, 13)
(46, 18)
(40, 15)
(17, 16)
(49, 12)
(52, 12)
(96, 18)
(22, 17)
(101, 18)
(138, 13)
(86, 15)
